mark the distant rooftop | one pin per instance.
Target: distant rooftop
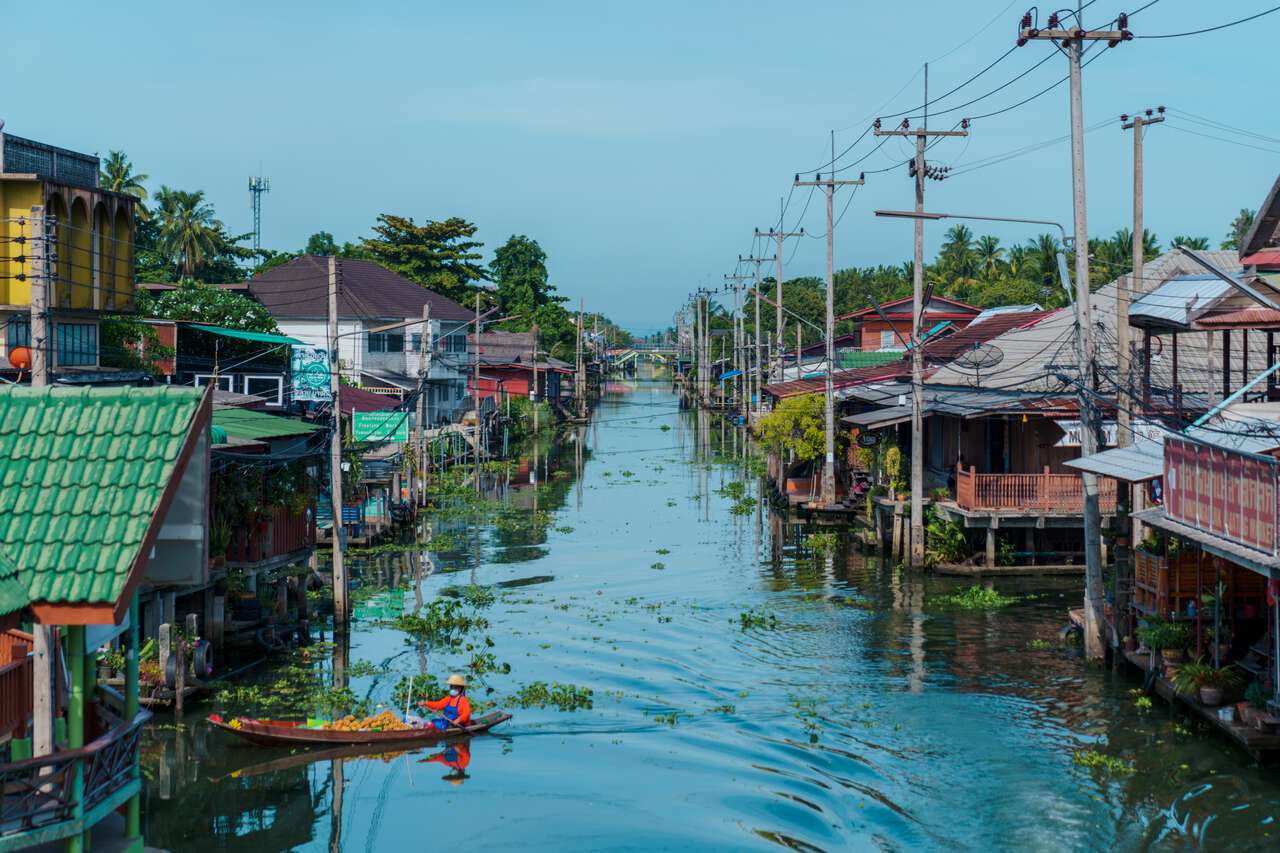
(19, 156)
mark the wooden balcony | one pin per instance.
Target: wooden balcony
(38, 803)
(277, 532)
(1030, 494)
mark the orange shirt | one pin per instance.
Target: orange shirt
(457, 703)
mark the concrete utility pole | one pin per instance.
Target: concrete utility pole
(341, 615)
(1125, 381)
(919, 170)
(778, 237)
(475, 396)
(580, 376)
(759, 339)
(830, 185)
(1071, 42)
(424, 368)
(533, 391)
(738, 335)
(41, 261)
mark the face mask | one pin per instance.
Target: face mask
(455, 691)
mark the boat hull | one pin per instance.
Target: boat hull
(277, 732)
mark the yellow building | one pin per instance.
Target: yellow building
(91, 272)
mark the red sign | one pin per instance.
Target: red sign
(1220, 491)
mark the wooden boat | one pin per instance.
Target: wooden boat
(294, 733)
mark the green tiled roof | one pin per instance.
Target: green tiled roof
(81, 473)
(866, 358)
(247, 423)
(13, 586)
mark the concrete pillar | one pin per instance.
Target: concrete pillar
(991, 547)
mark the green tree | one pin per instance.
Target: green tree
(1197, 243)
(440, 256)
(990, 255)
(197, 302)
(796, 424)
(519, 268)
(1239, 228)
(118, 176)
(321, 243)
(188, 230)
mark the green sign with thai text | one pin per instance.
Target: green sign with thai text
(380, 426)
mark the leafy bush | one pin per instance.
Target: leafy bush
(1159, 634)
(823, 543)
(975, 598)
(796, 424)
(946, 541)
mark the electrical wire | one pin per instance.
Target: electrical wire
(1212, 29)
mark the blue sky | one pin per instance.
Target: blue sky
(640, 144)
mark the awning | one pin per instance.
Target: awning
(252, 425)
(730, 374)
(1137, 463)
(879, 418)
(260, 337)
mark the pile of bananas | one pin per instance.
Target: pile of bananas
(381, 722)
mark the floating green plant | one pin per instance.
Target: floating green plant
(975, 598)
(566, 697)
(757, 619)
(1108, 764)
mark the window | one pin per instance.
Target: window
(270, 388)
(454, 342)
(386, 343)
(886, 340)
(226, 382)
(415, 341)
(18, 332)
(77, 344)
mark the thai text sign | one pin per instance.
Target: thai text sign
(1138, 428)
(380, 426)
(309, 375)
(1220, 491)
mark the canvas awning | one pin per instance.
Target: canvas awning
(1137, 463)
(260, 337)
(254, 426)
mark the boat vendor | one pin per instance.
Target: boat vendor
(455, 709)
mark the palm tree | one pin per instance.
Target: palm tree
(1042, 258)
(117, 175)
(1197, 243)
(1239, 227)
(1017, 259)
(989, 255)
(189, 233)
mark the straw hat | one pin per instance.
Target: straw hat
(456, 680)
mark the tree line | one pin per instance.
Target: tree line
(179, 238)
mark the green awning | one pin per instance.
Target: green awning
(247, 423)
(261, 337)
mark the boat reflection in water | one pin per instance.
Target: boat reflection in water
(455, 756)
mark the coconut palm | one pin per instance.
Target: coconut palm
(989, 255)
(118, 176)
(189, 233)
(1239, 227)
(1197, 243)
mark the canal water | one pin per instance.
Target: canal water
(745, 692)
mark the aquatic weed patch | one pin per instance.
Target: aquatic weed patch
(566, 697)
(442, 621)
(823, 543)
(974, 598)
(1109, 765)
(746, 506)
(762, 619)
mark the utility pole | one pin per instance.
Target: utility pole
(476, 394)
(1071, 42)
(341, 615)
(43, 647)
(533, 391)
(424, 369)
(759, 339)
(829, 186)
(580, 374)
(919, 170)
(778, 236)
(737, 339)
(1124, 383)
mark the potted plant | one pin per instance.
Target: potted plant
(1254, 704)
(1170, 639)
(1186, 679)
(1216, 682)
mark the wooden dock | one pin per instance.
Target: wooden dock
(1262, 746)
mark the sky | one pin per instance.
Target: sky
(640, 144)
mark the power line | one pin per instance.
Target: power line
(1212, 29)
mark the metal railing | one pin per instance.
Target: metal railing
(1035, 493)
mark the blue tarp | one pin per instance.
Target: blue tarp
(730, 375)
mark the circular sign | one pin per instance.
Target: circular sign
(868, 439)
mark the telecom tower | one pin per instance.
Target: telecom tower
(258, 186)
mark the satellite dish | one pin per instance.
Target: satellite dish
(981, 357)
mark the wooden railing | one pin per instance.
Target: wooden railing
(38, 792)
(280, 531)
(1034, 493)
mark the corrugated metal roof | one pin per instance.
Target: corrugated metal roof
(1245, 318)
(1265, 258)
(1141, 461)
(81, 474)
(976, 334)
(253, 425)
(1179, 301)
(840, 379)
